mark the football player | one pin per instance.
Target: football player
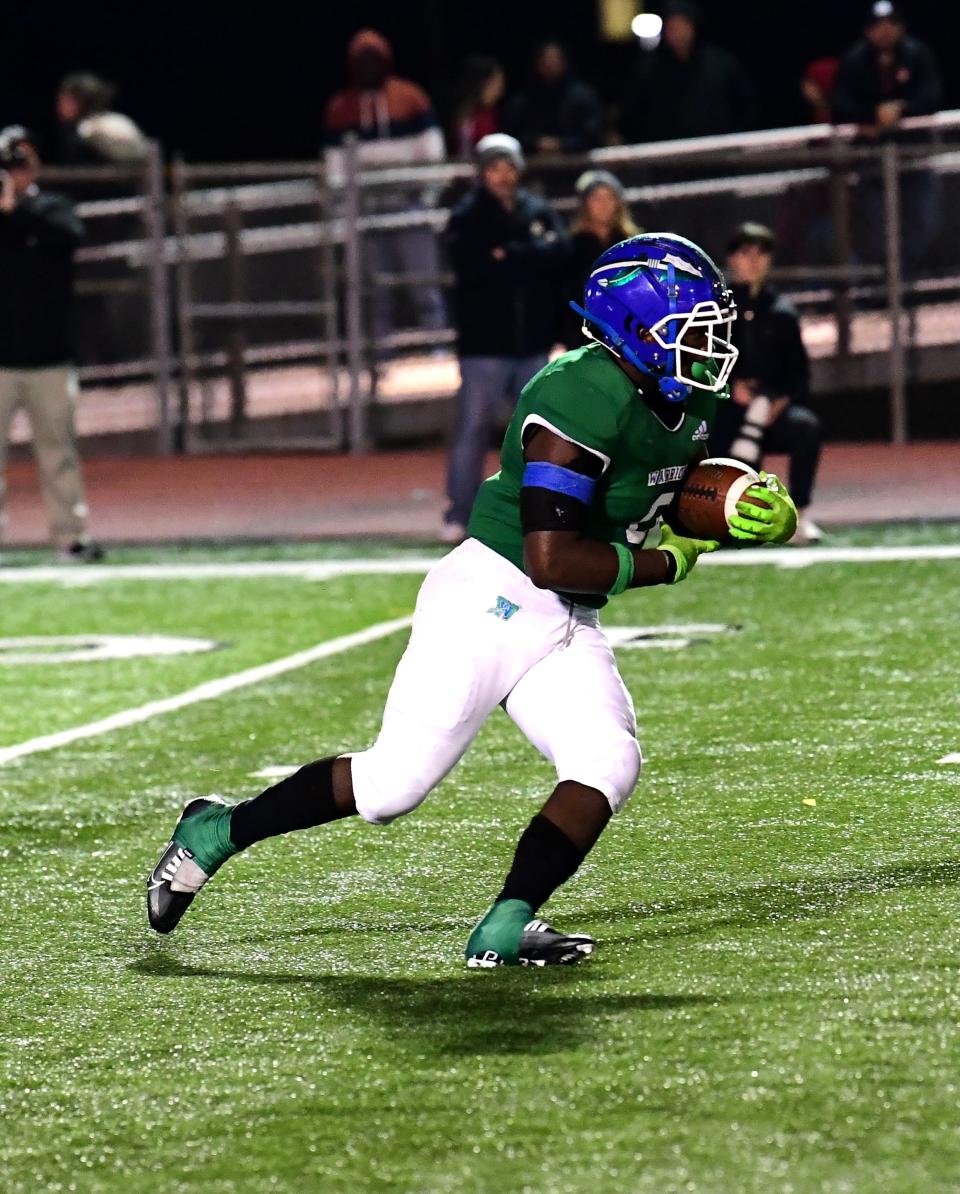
(592, 460)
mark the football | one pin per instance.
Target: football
(709, 498)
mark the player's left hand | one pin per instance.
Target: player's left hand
(774, 523)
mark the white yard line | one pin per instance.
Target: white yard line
(92, 574)
(952, 758)
(203, 692)
(317, 570)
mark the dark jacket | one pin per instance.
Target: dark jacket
(508, 307)
(37, 240)
(74, 150)
(668, 98)
(863, 83)
(566, 109)
(767, 333)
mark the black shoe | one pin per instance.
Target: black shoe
(540, 945)
(199, 847)
(82, 552)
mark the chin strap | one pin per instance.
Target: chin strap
(671, 388)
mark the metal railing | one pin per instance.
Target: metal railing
(244, 265)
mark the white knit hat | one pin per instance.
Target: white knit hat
(499, 145)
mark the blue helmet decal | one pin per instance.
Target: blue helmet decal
(660, 302)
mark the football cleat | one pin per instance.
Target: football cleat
(807, 532)
(499, 940)
(542, 945)
(200, 846)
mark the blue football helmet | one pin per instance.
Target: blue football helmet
(659, 302)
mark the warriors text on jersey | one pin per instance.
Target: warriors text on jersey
(586, 398)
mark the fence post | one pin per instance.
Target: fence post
(891, 218)
(236, 336)
(353, 296)
(842, 243)
(328, 310)
(184, 297)
(159, 294)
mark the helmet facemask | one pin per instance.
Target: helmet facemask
(700, 345)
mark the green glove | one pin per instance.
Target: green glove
(756, 524)
(685, 551)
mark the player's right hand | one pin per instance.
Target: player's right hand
(684, 550)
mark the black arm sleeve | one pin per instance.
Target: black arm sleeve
(546, 510)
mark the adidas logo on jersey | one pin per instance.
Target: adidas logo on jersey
(702, 432)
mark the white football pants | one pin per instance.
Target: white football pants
(484, 635)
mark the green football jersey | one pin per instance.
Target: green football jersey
(585, 397)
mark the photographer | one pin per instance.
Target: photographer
(38, 234)
(771, 377)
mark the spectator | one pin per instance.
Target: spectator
(557, 113)
(396, 126)
(89, 132)
(509, 254)
(685, 87)
(816, 87)
(885, 77)
(603, 219)
(770, 379)
(38, 234)
(475, 114)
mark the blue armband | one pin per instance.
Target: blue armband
(540, 474)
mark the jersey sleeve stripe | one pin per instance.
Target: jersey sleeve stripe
(539, 421)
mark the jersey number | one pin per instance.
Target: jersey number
(638, 531)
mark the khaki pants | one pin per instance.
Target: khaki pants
(48, 396)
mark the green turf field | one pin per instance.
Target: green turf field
(774, 1002)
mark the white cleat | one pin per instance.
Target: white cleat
(807, 532)
(453, 533)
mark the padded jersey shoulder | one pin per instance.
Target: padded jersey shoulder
(582, 397)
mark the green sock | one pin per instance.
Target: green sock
(500, 930)
(206, 834)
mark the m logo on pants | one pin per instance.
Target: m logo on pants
(504, 609)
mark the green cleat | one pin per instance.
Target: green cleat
(510, 935)
(200, 845)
